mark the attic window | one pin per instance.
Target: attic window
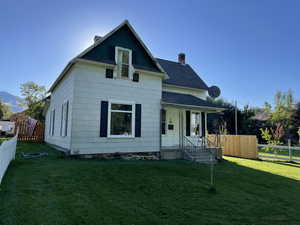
(124, 63)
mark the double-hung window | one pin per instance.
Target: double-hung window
(64, 119)
(124, 62)
(121, 119)
(52, 122)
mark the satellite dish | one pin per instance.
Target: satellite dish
(214, 91)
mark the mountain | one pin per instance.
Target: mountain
(12, 101)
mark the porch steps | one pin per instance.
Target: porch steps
(203, 156)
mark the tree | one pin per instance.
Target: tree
(5, 112)
(272, 137)
(282, 113)
(246, 122)
(283, 108)
(267, 107)
(295, 124)
(34, 95)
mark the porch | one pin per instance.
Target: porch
(184, 126)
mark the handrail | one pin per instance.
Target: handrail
(188, 147)
(203, 145)
(188, 140)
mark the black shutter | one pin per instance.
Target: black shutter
(138, 120)
(203, 123)
(163, 121)
(109, 73)
(103, 119)
(188, 123)
(136, 77)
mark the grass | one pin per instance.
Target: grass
(3, 139)
(57, 190)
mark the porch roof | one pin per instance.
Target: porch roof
(187, 100)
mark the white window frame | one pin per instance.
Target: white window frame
(64, 116)
(200, 124)
(119, 64)
(52, 123)
(132, 122)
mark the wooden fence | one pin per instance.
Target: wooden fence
(37, 135)
(244, 146)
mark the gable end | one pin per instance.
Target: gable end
(123, 37)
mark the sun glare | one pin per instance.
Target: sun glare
(85, 38)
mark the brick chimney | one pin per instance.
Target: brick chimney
(181, 58)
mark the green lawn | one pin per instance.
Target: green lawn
(3, 139)
(57, 190)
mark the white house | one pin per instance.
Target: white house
(116, 97)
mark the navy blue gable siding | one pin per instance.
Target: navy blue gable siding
(105, 52)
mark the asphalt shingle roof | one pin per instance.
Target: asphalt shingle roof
(186, 99)
(181, 75)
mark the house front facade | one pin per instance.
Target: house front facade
(116, 97)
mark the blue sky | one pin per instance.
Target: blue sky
(249, 49)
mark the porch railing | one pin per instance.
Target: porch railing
(203, 145)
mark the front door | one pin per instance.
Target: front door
(172, 124)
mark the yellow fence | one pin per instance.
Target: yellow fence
(244, 146)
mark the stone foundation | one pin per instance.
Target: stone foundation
(122, 155)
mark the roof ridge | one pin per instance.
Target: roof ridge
(170, 61)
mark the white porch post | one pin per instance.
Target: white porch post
(181, 131)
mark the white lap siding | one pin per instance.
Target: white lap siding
(62, 93)
(91, 87)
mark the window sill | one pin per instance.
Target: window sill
(120, 137)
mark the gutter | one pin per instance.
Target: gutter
(215, 109)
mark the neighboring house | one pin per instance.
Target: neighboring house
(7, 127)
(262, 116)
(116, 97)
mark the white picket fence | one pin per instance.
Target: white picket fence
(292, 153)
(7, 154)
